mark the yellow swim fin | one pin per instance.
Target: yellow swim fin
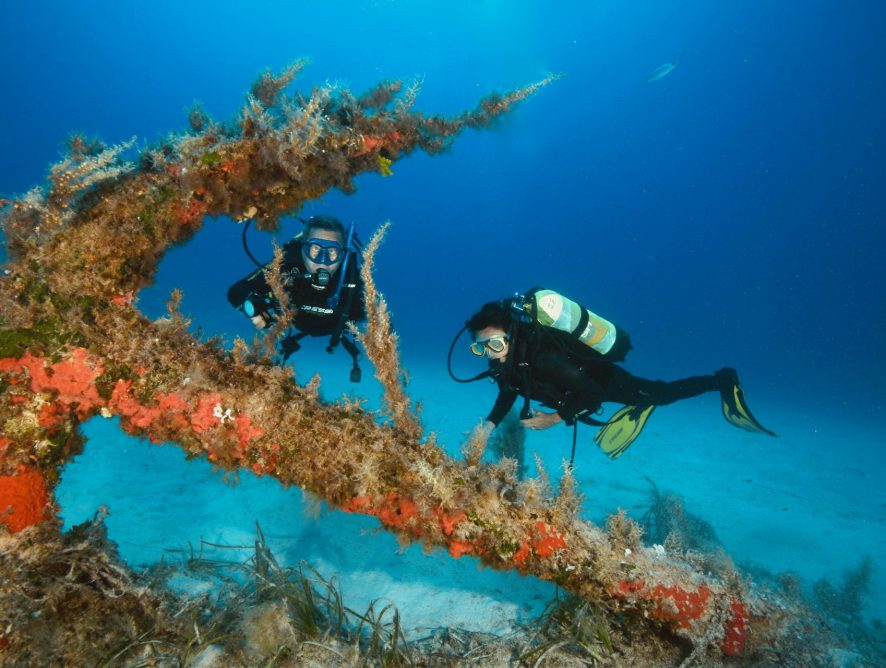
(736, 411)
(622, 429)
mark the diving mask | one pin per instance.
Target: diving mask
(496, 344)
(323, 251)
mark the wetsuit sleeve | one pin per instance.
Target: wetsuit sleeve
(252, 285)
(506, 398)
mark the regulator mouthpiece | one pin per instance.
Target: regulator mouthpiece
(321, 278)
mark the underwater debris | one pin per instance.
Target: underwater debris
(75, 345)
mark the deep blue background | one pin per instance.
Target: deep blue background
(730, 213)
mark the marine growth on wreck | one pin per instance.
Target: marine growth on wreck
(74, 345)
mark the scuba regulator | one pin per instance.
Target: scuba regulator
(320, 278)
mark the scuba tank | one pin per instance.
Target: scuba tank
(551, 309)
(578, 328)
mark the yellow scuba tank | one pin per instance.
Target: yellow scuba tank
(552, 309)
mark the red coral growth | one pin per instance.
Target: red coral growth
(267, 463)
(397, 511)
(675, 604)
(359, 504)
(460, 547)
(71, 383)
(394, 511)
(174, 410)
(548, 542)
(173, 414)
(245, 430)
(124, 299)
(194, 210)
(23, 499)
(204, 418)
(392, 141)
(123, 403)
(544, 542)
(10, 365)
(448, 521)
(51, 416)
(522, 554)
(72, 379)
(736, 629)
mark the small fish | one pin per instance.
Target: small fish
(662, 71)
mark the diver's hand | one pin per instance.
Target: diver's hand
(541, 420)
(259, 321)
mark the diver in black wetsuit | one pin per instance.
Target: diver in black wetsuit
(544, 347)
(323, 284)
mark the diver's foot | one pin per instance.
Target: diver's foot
(727, 378)
(622, 429)
(735, 407)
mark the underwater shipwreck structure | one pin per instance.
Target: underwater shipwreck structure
(73, 345)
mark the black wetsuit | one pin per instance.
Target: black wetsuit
(313, 314)
(574, 383)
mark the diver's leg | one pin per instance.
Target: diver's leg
(625, 388)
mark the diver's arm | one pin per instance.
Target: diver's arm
(506, 398)
(254, 290)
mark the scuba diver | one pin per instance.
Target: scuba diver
(545, 347)
(322, 277)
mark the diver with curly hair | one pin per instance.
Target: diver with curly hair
(547, 348)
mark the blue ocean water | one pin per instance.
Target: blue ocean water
(731, 212)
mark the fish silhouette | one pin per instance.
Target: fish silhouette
(662, 71)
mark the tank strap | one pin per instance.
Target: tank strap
(582, 322)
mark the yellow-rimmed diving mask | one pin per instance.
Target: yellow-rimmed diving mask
(496, 344)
